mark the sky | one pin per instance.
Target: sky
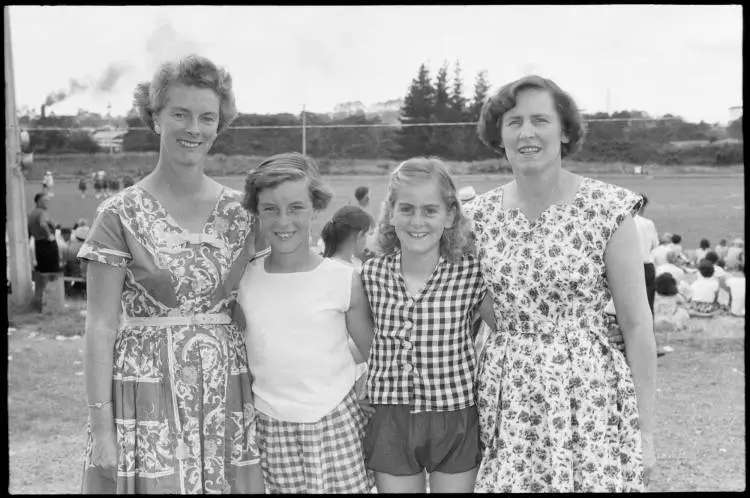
(683, 60)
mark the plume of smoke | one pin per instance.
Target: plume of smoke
(112, 74)
(104, 84)
(167, 44)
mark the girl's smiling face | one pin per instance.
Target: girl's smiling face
(420, 216)
(285, 213)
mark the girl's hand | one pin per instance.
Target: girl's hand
(614, 334)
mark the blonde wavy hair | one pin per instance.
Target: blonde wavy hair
(454, 241)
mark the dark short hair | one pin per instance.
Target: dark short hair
(496, 105)
(705, 244)
(706, 268)
(676, 239)
(712, 257)
(666, 285)
(38, 196)
(361, 192)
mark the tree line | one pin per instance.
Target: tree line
(442, 99)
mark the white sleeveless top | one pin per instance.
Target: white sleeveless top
(297, 340)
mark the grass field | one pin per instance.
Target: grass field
(694, 206)
(700, 411)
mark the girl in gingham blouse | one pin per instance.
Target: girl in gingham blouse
(424, 291)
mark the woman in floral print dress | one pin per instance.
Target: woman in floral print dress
(560, 409)
(168, 388)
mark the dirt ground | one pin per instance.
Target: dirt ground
(700, 442)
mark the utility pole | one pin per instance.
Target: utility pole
(304, 132)
(19, 258)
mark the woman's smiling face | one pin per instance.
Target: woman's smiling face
(188, 123)
(532, 132)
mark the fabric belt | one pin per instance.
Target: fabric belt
(187, 320)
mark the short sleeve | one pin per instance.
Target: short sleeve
(106, 240)
(621, 204)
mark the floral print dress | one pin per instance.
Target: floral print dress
(182, 394)
(556, 402)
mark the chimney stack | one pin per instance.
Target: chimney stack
(43, 108)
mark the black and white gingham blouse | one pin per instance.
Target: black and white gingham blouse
(422, 353)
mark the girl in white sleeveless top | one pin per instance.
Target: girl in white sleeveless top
(300, 310)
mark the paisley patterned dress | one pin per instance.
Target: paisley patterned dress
(182, 394)
(556, 402)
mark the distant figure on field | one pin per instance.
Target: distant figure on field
(704, 292)
(736, 285)
(43, 230)
(735, 255)
(362, 194)
(675, 246)
(659, 253)
(98, 184)
(721, 249)
(700, 253)
(114, 185)
(48, 184)
(670, 311)
(82, 186)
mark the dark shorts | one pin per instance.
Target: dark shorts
(650, 273)
(47, 256)
(400, 443)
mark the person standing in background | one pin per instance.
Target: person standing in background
(82, 186)
(649, 239)
(48, 184)
(43, 230)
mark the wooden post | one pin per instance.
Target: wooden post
(19, 258)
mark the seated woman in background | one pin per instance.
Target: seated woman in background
(703, 247)
(735, 255)
(670, 311)
(704, 292)
(673, 266)
(736, 287)
(676, 247)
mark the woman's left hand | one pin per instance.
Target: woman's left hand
(614, 333)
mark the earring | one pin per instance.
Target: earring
(157, 129)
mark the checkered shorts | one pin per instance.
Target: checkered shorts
(326, 456)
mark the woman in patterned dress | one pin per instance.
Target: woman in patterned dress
(560, 409)
(166, 374)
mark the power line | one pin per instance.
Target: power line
(352, 125)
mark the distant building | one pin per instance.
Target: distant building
(108, 139)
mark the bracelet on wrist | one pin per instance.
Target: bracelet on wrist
(100, 405)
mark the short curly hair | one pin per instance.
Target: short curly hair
(496, 105)
(454, 242)
(287, 167)
(150, 98)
